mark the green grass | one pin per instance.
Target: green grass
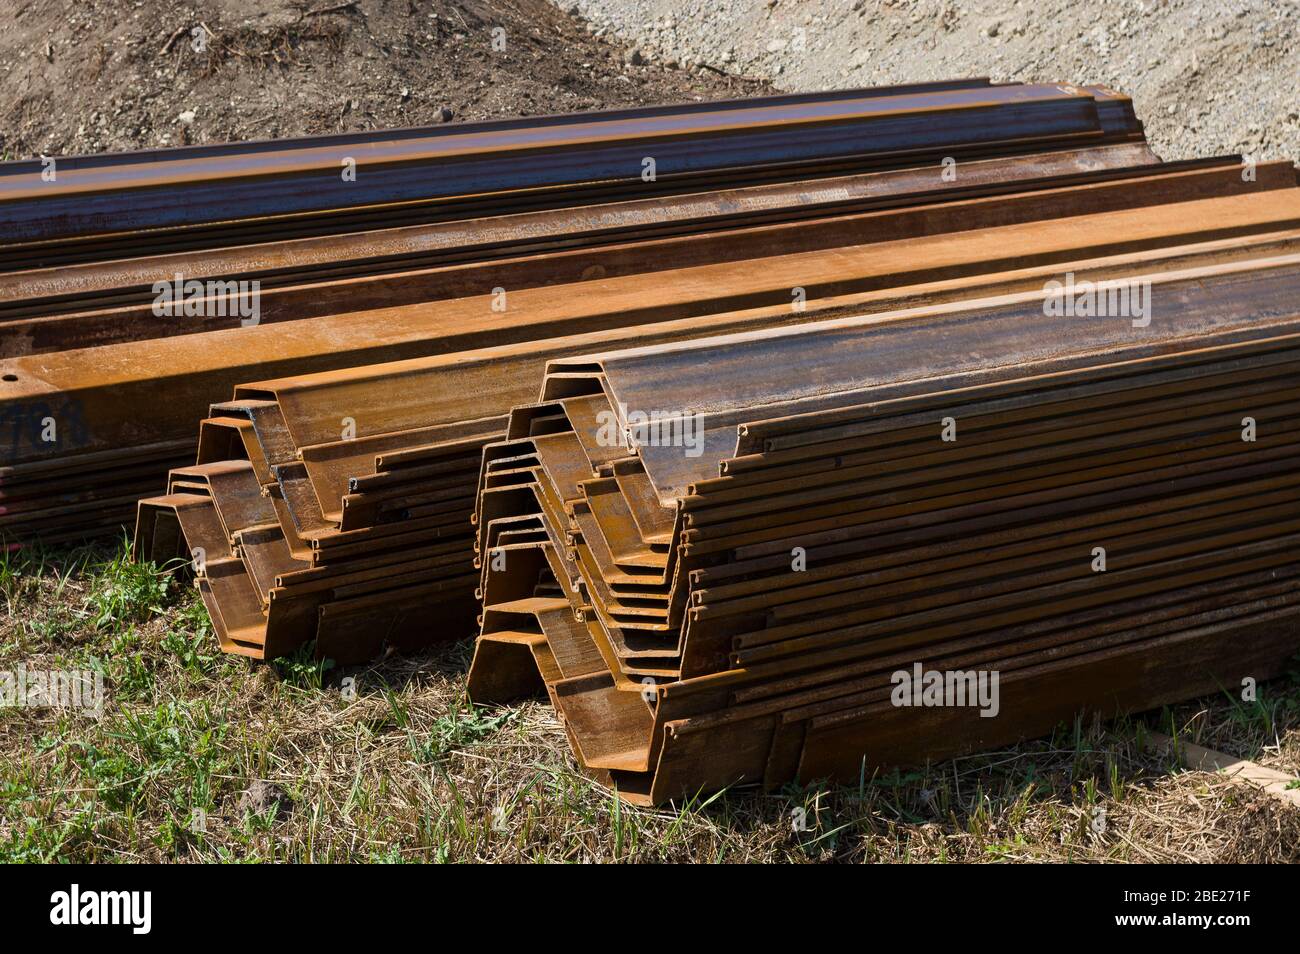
(405, 769)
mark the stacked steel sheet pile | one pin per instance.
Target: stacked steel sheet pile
(726, 559)
(367, 475)
(820, 403)
(836, 392)
(352, 238)
(334, 505)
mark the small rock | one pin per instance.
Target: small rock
(633, 57)
(260, 797)
(443, 114)
(186, 117)
(993, 28)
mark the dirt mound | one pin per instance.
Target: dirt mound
(111, 75)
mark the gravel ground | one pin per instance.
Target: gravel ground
(1207, 77)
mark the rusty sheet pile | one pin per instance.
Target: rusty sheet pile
(731, 427)
(136, 290)
(718, 573)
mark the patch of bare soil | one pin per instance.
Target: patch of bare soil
(80, 76)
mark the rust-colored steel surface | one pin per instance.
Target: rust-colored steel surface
(404, 474)
(310, 185)
(120, 322)
(722, 574)
(55, 308)
(856, 429)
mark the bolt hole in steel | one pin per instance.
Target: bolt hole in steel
(9, 377)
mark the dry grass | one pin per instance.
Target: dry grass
(205, 757)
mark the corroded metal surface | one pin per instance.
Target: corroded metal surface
(405, 479)
(408, 264)
(827, 536)
(708, 458)
(273, 180)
